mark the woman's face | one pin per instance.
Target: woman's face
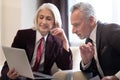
(45, 21)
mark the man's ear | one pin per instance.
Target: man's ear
(92, 20)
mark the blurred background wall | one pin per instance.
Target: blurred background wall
(14, 15)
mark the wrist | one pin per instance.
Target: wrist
(66, 45)
(115, 78)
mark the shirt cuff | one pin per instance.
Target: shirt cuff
(85, 66)
(118, 75)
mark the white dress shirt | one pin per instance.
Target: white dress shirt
(38, 37)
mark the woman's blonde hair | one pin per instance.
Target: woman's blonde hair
(54, 11)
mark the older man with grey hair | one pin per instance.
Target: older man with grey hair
(101, 53)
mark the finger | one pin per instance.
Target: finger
(14, 75)
(56, 31)
(11, 71)
(57, 25)
(53, 30)
(90, 44)
(83, 49)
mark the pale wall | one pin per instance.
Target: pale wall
(1, 54)
(14, 15)
(28, 11)
(0, 28)
(11, 20)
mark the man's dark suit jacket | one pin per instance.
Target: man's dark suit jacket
(108, 49)
(54, 51)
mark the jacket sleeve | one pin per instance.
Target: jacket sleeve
(64, 59)
(91, 69)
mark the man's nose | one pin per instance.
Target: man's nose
(73, 30)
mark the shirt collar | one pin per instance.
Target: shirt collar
(39, 36)
(93, 34)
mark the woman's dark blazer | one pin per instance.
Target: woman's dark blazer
(54, 51)
(108, 49)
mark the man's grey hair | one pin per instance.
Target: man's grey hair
(86, 8)
(53, 9)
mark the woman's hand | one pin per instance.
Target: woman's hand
(59, 32)
(12, 74)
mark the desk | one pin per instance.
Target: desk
(71, 75)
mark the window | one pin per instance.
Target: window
(106, 13)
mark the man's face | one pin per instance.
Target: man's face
(81, 25)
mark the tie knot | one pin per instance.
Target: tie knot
(42, 39)
(89, 40)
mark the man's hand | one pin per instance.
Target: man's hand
(110, 78)
(87, 52)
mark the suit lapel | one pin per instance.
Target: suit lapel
(98, 38)
(31, 44)
(49, 44)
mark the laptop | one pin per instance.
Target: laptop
(17, 58)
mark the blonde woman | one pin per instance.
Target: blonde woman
(55, 48)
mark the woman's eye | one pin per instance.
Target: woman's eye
(49, 18)
(41, 17)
